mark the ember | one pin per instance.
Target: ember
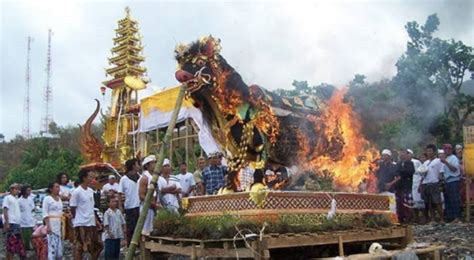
(346, 153)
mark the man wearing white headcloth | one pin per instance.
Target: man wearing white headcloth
(148, 166)
(386, 174)
(169, 187)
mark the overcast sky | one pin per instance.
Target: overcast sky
(269, 43)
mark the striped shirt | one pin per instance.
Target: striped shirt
(113, 219)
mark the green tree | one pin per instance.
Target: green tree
(45, 169)
(302, 88)
(36, 161)
(435, 69)
(385, 118)
(358, 81)
(53, 128)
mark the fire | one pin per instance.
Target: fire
(350, 164)
(229, 102)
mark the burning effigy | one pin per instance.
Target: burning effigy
(258, 127)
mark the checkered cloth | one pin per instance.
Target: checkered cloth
(404, 206)
(246, 178)
(452, 200)
(213, 178)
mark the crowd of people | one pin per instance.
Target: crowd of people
(72, 210)
(428, 184)
(427, 187)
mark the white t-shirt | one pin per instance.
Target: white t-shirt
(416, 163)
(108, 187)
(416, 182)
(54, 210)
(170, 200)
(435, 167)
(14, 215)
(130, 189)
(187, 181)
(148, 175)
(83, 200)
(65, 190)
(26, 210)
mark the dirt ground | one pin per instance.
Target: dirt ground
(458, 238)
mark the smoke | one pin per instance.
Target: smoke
(456, 17)
(395, 114)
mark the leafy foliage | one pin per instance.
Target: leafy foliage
(37, 161)
(300, 88)
(227, 226)
(430, 75)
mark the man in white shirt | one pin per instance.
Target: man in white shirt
(452, 178)
(148, 165)
(201, 164)
(431, 192)
(85, 223)
(186, 180)
(418, 203)
(169, 188)
(111, 185)
(27, 206)
(11, 224)
(128, 188)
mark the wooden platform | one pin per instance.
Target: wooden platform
(397, 236)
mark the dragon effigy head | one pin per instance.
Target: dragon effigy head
(197, 63)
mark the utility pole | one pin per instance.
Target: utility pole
(27, 104)
(48, 92)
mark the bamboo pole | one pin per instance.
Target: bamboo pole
(186, 141)
(154, 179)
(468, 199)
(182, 138)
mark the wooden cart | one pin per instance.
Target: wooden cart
(396, 237)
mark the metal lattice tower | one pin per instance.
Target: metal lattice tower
(48, 92)
(26, 107)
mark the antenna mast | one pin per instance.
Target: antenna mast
(26, 108)
(48, 92)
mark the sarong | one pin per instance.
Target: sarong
(55, 246)
(41, 247)
(14, 243)
(87, 239)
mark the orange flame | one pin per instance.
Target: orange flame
(353, 164)
(228, 102)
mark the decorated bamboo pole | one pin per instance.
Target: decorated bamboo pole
(468, 199)
(468, 163)
(186, 141)
(154, 180)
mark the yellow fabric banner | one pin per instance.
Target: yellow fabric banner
(468, 159)
(468, 156)
(163, 101)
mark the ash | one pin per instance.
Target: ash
(458, 238)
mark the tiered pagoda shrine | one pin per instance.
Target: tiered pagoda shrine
(126, 77)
